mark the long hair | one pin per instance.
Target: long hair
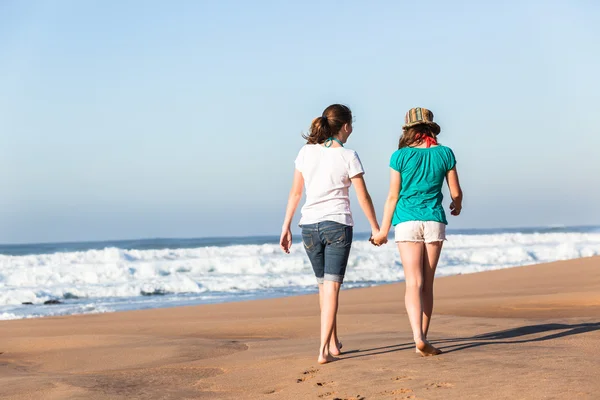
(328, 124)
(413, 136)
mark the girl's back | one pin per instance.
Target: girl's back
(422, 171)
(327, 172)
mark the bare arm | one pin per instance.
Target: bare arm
(294, 198)
(364, 199)
(455, 191)
(390, 202)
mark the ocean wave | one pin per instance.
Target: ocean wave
(119, 273)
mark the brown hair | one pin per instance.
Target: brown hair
(329, 124)
(409, 135)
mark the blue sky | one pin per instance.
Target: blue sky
(182, 119)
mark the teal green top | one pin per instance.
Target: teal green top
(422, 173)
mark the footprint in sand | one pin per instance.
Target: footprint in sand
(396, 391)
(357, 397)
(402, 378)
(440, 385)
(308, 374)
(326, 394)
(323, 383)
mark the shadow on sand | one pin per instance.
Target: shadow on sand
(552, 331)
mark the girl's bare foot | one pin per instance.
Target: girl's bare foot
(326, 358)
(335, 349)
(417, 349)
(426, 350)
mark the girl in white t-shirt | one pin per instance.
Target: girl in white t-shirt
(327, 169)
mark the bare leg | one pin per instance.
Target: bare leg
(430, 261)
(411, 254)
(334, 344)
(329, 307)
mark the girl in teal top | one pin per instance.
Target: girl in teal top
(422, 170)
(414, 207)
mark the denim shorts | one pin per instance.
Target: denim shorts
(327, 245)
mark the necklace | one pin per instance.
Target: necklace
(329, 142)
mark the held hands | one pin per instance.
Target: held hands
(378, 237)
(285, 241)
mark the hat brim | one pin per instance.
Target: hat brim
(434, 125)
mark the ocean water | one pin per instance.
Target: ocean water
(97, 277)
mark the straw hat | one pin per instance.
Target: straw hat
(420, 116)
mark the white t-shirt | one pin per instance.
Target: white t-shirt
(327, 172)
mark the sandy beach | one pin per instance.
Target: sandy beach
(524, 333)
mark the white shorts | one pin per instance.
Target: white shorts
(420, 231)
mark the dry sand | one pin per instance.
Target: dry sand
(522, 333)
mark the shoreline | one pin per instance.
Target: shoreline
(532, 332)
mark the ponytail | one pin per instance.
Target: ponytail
(320, 131)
